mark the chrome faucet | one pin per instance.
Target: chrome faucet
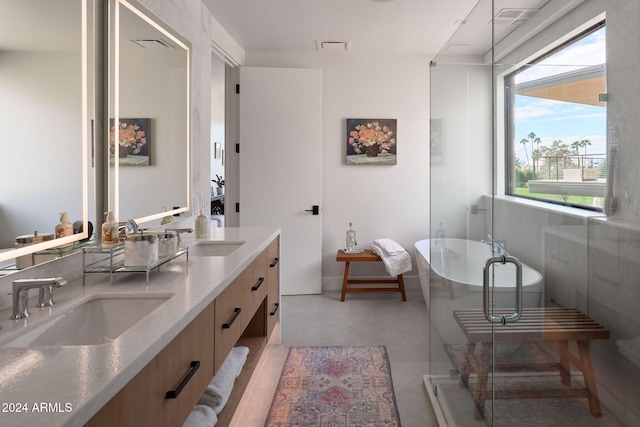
(21, 293)
(497, 247)
(179, 231)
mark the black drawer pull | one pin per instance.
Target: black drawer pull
(236, 313)
(276, 306)
(275, 262)
(258, 284)
(172, 394)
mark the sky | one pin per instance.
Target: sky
(569, 122)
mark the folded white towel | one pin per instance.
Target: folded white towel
(396, 261)
(219, 389)
(201, 416)
(391, 247)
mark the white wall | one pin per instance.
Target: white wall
(461, 173)
(217, 114)
(380, 201)
(41, 141)
(140, 98)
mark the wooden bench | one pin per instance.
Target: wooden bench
(536, 326)
(366, 256)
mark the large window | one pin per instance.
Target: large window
(556, 124)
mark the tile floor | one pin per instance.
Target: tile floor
(363, 319)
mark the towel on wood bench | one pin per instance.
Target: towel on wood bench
(395, 258)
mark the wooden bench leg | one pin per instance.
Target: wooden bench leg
(345, 280)
(449, 285)
(465, 366)
(401, 286)
(565, 372)
(589, 378)
(481, 387)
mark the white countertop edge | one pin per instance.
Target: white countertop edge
(42, 384)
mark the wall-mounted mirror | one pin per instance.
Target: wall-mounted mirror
(149, 120)
(45, 51)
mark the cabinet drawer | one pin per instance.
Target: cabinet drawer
(258, 283)
(273, 307)
(143, 401)
(273, 260)
(232, 314)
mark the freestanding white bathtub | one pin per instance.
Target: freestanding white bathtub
(460, 262)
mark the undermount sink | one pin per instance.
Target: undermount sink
(98, 320)
(214, 248)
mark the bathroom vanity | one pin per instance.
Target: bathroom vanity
(153, 373)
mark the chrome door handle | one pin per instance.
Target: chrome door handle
(502, 319)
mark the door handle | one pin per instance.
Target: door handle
(315, 210)
(502, 319)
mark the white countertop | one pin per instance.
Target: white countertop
(66, 386)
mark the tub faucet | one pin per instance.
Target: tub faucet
(21, 293)
(497, 246)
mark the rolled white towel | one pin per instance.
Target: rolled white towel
(391, 247)
(397, 263)
(219, 389)
(201, 416)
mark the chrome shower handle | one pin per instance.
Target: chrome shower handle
(502, 319)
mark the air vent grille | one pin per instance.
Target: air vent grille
(333, 46)
(513, 16)
(152, 44)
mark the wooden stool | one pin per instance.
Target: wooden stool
(366, 256)
(537, 325)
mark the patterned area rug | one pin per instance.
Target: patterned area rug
(335, 387)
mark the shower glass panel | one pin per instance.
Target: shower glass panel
(571, 356)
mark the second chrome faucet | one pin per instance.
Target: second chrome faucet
(21, 293)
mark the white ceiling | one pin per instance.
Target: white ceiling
(384, 26)
(400, 26)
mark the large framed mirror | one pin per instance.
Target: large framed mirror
(149, 116)
(46, 58)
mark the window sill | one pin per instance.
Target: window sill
(550, 207)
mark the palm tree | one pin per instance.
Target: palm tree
(533, 139)
(576, 146)
(582, 143)
(524, 141)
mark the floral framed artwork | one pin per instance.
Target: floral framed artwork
(372, 141)
(132, 142)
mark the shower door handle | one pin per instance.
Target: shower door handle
(502, 319)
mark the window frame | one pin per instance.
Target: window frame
(509, 94)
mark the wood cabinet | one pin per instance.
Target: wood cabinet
(245, 313)
(144, 401)
(273, 281)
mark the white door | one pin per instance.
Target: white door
(281, 167)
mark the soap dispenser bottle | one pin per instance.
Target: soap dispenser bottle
(202, 226)
(110, 232)
(351, 240)
(64, 228)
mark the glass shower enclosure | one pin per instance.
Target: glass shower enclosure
(534, 249)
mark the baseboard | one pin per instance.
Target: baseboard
(335, 283)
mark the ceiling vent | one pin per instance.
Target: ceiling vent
(458, 49)
(152, 44)
(333, 46)
(513, 16)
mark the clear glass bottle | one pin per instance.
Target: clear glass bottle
(351, 240)
(202, 226)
